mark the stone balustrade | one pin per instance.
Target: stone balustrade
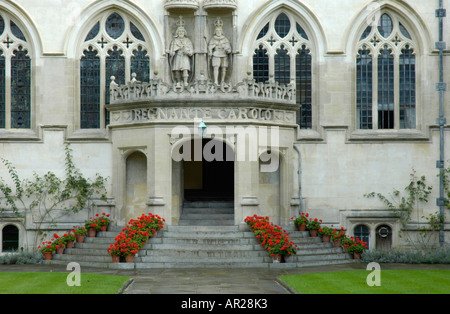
(135, 91)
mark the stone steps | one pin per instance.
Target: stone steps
(202, 246)
(207, 213)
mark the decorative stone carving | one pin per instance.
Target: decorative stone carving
(181, 50)
(247, 89)
(220, 4)
(219, 50)
(181, 4)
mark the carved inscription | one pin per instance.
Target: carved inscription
(187, 114)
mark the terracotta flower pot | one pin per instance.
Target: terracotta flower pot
(276, 258)
(356, 255)
(301, 227)
(69, 244)
(345, 248)
(115, 258)
(313, 233)
(60, 250)
(92, 232)
(326, 238)
(80, 238)
(104, 228)
(47, 255)
(337, 243)
(129, 258)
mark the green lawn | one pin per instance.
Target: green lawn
(354, 282)
(55, 283)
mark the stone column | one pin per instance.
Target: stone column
(246, 177)
(200, 44)
(159, 174)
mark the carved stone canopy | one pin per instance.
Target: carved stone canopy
(181, 4)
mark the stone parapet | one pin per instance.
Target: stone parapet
(156, 89)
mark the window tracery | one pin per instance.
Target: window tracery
(283, 54)
(386, 76)
(15, 76)
(113, 47)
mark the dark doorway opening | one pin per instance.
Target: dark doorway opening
(212, 177)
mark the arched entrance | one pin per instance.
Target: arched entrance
(209, 177)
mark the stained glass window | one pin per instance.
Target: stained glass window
(282, 52)
(282, 66)
(140, 64)
(15, 76)
(385, 89)
(364, 88)
(20, 89)
(115, 66)
(115, 25)
(93, 32)
(407, 73)
(2, 90)
(303, 63)
(116, 47)
(380, 49)
(90, 89)
(261, 65)
(385, 26)
(282, 25)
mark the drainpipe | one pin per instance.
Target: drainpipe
(299, 172)
(441, 121)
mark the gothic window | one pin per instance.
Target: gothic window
(282, 53)
(386, 77)
(114, 46)
(15, 76)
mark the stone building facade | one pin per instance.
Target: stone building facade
(310, 104)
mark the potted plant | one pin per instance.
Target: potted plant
(92, 226)
(69, 239)
(301, 222)
(273, 238)
(47, 248)
(357, 248)
(114, 251)
(326, 232)
(314, 226)
(337, 236)
(59, 244)
(103, 221)
(80, 234)
(346, 242)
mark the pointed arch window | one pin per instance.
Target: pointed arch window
(114, 46)
(15, 76)
(386, 76)
(282, 53)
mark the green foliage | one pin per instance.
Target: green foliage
(46, 196)
(433, 256)
(446, 175)
(403, 206)
(21, 258)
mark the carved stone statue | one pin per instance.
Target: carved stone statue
(219, 49)
(181, 50)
